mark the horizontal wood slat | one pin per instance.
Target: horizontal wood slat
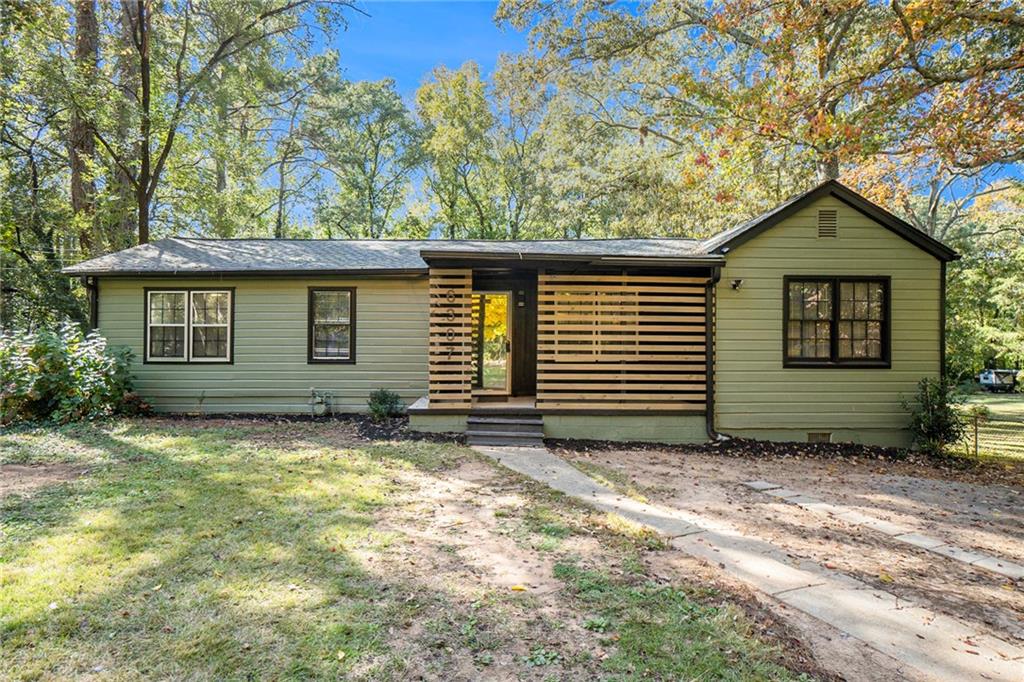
(621, 342)
(450, 339)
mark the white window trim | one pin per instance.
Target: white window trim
(149, 327)
(189, 325)
(192, 325)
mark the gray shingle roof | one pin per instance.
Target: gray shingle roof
(254, 256)
(198, 256)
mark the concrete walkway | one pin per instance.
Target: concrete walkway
(935, 646)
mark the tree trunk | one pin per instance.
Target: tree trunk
(281, 189)
(81, 141)
(126, 226)
(827, 166)
(142, 190)
(220, 162)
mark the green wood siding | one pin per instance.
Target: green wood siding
(270, 372)
(757, 397)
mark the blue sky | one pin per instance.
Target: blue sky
(405, 40)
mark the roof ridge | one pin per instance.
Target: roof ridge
(438, 241)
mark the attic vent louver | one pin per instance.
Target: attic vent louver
(828, 227)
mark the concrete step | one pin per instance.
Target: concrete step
(520, 442)
(493, 427)
(480, 419)
(494, 433)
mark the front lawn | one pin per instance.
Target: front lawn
(255, 550)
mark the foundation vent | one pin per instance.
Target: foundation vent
(828, 227)
(819, 437)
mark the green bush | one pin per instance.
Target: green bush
(384, 403)
(936, 422)
(63, 376)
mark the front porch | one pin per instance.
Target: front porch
(627, 345)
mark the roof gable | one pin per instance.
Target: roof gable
(726, 241)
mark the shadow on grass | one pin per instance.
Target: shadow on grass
(203, 557)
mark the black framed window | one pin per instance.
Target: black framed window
(836, 321)
(188, 325)
(332, 325)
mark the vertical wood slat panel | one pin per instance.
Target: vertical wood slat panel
(451, 346)
(621, 342)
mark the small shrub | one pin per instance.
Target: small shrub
(935, 419)
(63, 376)
(384, 403)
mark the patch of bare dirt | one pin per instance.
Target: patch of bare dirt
(988, 518)
(464, 535)
(981, 472)
(24, 479)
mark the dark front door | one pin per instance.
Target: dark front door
(522, 303)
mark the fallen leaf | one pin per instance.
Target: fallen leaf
(885, 577)
(518, 588)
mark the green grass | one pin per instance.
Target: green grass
(1002, 433)
(200, 554)
(666, 633)
(231, 551)
(615, 479)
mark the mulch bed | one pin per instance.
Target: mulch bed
(394, 428)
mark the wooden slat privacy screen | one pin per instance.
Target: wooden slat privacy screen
(451, 343)
(621, 342)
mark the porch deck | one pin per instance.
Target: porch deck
(526, 404)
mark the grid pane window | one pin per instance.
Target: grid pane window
(809, 328)
(211, 316)
(166, 310)
(835, 321)
(331, 325)
(861, 308)
(167, 342)
(209, 342)
(188, 326)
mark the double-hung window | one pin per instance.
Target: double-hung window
(332, 325)
(188, 325)
(836, 322)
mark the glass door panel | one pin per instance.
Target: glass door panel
(494, 341)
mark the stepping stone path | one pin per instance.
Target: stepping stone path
(934, 645)
(898, 532)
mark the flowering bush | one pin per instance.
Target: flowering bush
(63, 376)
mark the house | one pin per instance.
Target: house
(811, 322)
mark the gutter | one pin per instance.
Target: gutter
(710, 316)
(365, 272)
(591, 259)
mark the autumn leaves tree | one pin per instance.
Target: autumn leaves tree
(829, 83)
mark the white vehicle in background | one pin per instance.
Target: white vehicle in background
(998, 380)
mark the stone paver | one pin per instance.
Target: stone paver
(953, 552)
(784, 493)
(935, 645)
(899, 532)
(919, 540)
(1007, 568)
(761, 485)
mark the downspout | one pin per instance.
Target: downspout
(710, 316)
(92, 289)
(942, 321)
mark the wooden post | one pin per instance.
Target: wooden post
(450, 370)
